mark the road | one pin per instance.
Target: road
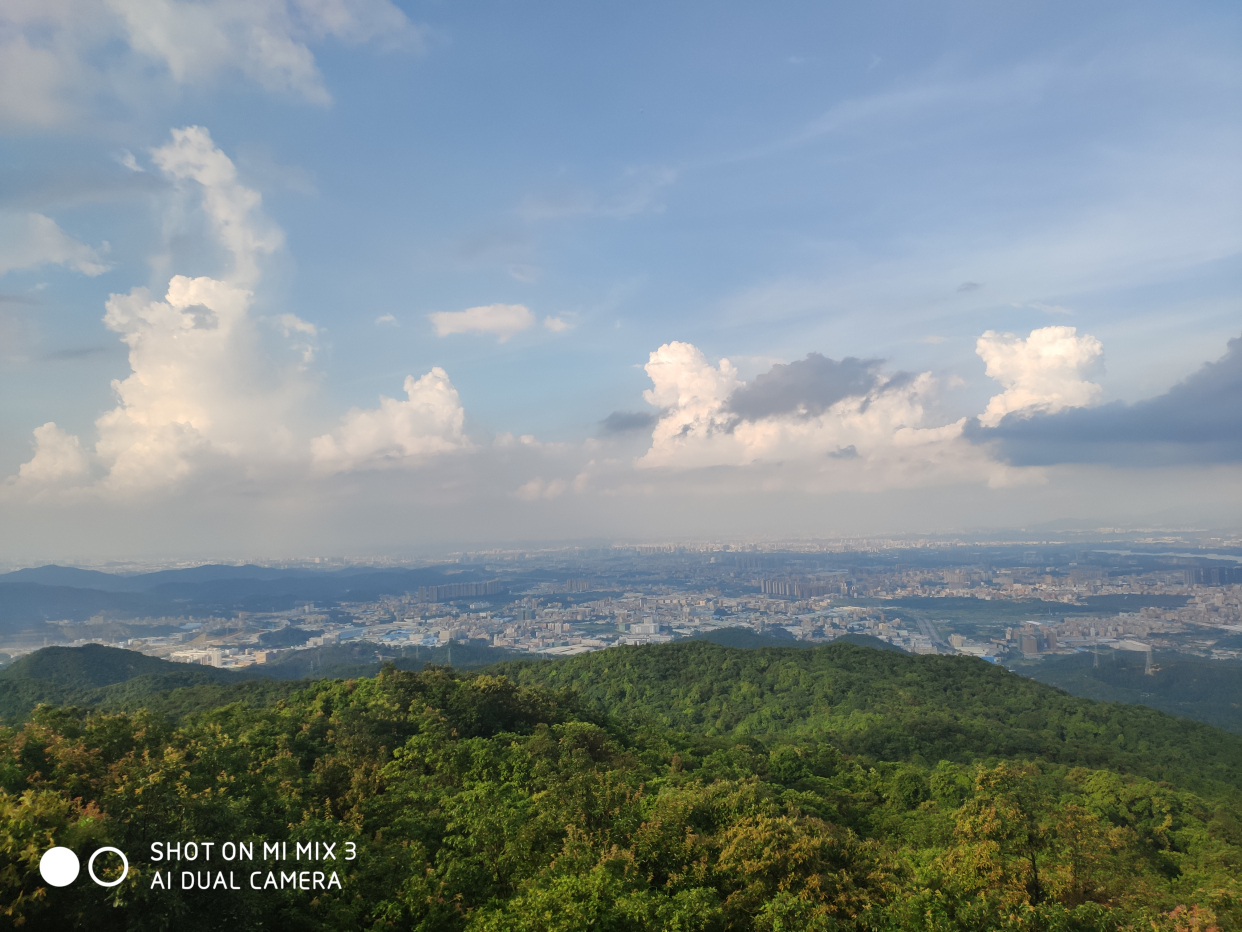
(928, 630)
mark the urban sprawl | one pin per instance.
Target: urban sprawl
(1001, 603)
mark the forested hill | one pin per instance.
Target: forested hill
(93, 666)
(887, 706)
(112, 679)
(688, 787)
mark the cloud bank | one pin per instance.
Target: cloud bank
(203, 390)
(1199, 420)
(827, 424)
(220, 396)
(397, 433)
(806, 388)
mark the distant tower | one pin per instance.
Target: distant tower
(1149, 669)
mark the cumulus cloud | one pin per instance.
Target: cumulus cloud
(693, 394)
(202, 389)
(198, 389)
(627, 422)
(1199, 420)
(52, 69)
(214, 391)
(58, 458)
(556, 324)
(1043, 373)
(805, 388)
(397, 433)
(503, 320)
(30, 240)
(827, 424)
(233, 210)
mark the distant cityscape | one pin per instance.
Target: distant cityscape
(1004, 603)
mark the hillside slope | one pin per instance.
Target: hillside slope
(477, 805)
(112, 679)
(1181, 684)
(887, 706)
(88, 676)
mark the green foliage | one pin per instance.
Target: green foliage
(888, 706)
(578, 795)
(111, 679)
(1206, 690)
(108, 678)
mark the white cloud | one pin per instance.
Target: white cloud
(1044, 372)
(504, 320)
(303, 332)
(874, 440)
(194, 41)
(57, 57)
(291, 324)
(203, 390)
(692, 393)
(200, 387)
(557, 324)
(386, 319)
(233, 210)
(58, 458)
(397, 433)
(31, 240)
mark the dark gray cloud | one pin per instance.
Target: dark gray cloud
(627, 422)
(1196, 421)
(969, 286)
(809, 385)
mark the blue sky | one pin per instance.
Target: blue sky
(882, 181)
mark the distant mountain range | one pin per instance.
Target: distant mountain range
(31, 597)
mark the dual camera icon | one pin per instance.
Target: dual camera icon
(60, 867)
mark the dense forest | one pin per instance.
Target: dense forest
(688, 786)
(1180, 684)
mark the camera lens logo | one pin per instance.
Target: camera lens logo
(60, 867)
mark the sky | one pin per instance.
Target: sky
(292, 278)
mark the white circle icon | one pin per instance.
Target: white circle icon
(59, 866)
(90, 867)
